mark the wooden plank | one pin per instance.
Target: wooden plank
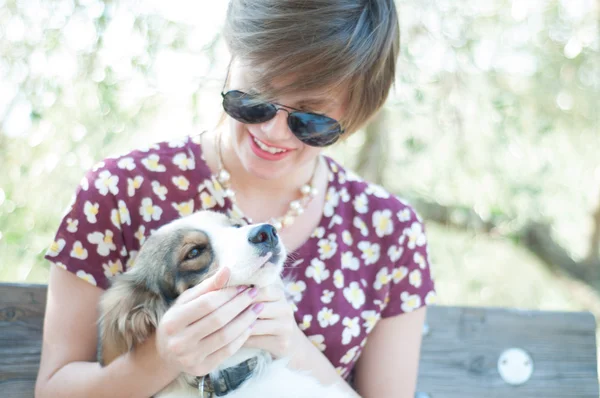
(461, 347)
(21, 322)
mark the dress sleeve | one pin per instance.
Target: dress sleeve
(89, 242)
(411, 285)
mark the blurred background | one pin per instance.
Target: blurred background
(492, 131)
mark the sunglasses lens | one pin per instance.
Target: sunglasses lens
(244, 108)
(314, 130)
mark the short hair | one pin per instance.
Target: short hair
(322, 45)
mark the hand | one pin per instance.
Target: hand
(275, 330)
(206, 325)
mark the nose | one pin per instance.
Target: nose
(263, 235)
(277, 128)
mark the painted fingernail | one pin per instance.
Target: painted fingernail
(253, 292)
(252, 325)
(258, 307)
(241, 288)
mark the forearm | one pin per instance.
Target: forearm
(307, 357)
(139, 373)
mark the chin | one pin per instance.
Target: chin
(178, 256)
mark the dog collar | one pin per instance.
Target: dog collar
(228, 379)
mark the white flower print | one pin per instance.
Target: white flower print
(306, 322)
(431, 298)
(351, 329)
(87, 277)
(317, 270)
(318, 341)
(176, 143)
(327, 247)
(352, 176)
(319, 232)
(327, 295)
(131, 259)
(85, 184)
(344, 195)
(332, 199)
(181, 182)
(104, 242)
(382, 278)
(349, 355)
(126, 164)
(327, 318)
(133, 184)
(370, 252)
(361, 225)
(152, 163)
(72, 225)
(338, 279)
(112, 268)
(123, 252)
(410, 302)
(140, 234)
(207, 200)
(150, 212)
(420, 260)
(399, 273)
(107, 182)
(382, 221)
(342, 178)
(124, 213)
(115, 218)
(184, 208)
(336, 219)
(377, 190)
(78, 251)
(371, 318)
(347, 238)
(361, 203)
(183, 162)
(416, 236)
(91, 211)
(349, 261)
(60, 265)
(355, 295)
(98, 166)
(395, 252)
(56, 247)
(403, 215)
(295, 290)
(415, 278)
(214, 189)
(159, 190)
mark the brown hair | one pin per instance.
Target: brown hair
(322, 45)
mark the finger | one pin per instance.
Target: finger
(271, 293)
(267, 327)
(225, 314)
(224, 336)
(219, 356)
(202, 306)
(263, 342)
(212, 283)
(275, 310)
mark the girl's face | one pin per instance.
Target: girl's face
(270, 150)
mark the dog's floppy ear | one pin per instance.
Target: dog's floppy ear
(129, 313)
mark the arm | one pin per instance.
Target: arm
(389, 364)
(68, 365)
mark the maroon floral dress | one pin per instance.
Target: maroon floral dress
(365, 261)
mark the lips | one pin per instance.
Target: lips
(261, 149)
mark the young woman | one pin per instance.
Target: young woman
(304, 75)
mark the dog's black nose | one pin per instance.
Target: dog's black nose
(264, 234)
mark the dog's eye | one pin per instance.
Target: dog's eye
(237, 225)
(196, 251)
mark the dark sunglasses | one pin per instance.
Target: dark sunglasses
(311, 128)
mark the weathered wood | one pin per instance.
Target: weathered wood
(461, 347)
(458, 357)
(21, 321)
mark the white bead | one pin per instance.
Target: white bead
(229, 193)
(224, 176)
(314, 192)
(295, 205)
(288, 220)
(305, 189)
(299, 211)
(277, 225)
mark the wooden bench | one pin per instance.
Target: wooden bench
(466, 351)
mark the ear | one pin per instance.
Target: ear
(129, 314)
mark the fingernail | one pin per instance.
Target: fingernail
(258, 307)
(253, 292)
(252, 325)
(241, 288)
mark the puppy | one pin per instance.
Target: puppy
(180, 255)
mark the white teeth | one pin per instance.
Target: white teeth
(267, 148)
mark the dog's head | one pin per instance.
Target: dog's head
(174, 258)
